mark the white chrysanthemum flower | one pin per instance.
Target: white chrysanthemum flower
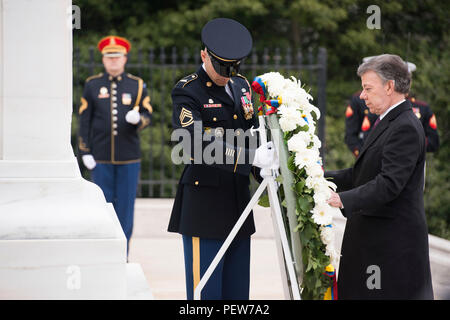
(275, 83)
(296, 144)
(323, 188)
(321, 215)
(327, 235)
(307, 157)
(314, 170)
(287, 124)
(316, 142)
(290, 99)
(299, 142)
(312, 182)
(290, 118)
(320, 198)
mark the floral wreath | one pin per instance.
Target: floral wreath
(286, 100)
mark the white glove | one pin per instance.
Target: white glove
(266, 157)
(89, 161)
(133, 116)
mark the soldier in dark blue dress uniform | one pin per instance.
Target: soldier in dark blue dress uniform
(215, 102)
(115, 107)
(359, 121)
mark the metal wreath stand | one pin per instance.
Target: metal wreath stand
(290, 285)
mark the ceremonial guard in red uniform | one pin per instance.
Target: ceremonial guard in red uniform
(115, 107)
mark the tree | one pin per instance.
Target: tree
(415, 30)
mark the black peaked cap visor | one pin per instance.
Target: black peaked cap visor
(225, 69)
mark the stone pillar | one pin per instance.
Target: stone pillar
(59, 239)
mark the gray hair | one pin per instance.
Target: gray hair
(389, 67)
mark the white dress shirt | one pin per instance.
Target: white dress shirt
(390, 108)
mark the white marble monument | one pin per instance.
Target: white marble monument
(59, 239)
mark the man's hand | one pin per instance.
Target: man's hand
(89, 161)
(133, 116)
(335, 200)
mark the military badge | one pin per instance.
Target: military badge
(229, 152)
(126, 99)
(218, 132)
(212, 105)
(103, 93)
(417, 112)
(247, 106)
(186, 118)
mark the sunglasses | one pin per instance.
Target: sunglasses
(225, 68)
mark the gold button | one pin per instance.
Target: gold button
(209, 84)
(235, 117)
(214, 119)
(196, 183)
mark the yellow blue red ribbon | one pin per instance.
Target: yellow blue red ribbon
(331, 293)
(260, 88)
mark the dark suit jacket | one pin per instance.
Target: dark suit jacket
(383, 202)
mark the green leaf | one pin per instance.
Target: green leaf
(279, 179)
(299, 186)
(264, 201)
(291, 163)
(303, 204)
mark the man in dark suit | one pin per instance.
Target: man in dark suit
(213, 107)
(359, 121)
(385, 252)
